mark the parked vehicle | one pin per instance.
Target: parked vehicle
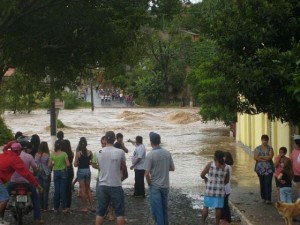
(20, 203)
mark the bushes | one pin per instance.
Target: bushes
(5, 133)
(150, 89)
(71, 101)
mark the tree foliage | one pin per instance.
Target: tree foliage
(257, 54)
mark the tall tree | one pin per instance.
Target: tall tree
(258, 41)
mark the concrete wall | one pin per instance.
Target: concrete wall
(251, 127)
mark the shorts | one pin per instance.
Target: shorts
(83, 174)
(4, 196)
(105, 195)
(213, 202)
(296, 178)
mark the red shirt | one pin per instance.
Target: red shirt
(11, 162)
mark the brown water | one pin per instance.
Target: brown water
(191, 142)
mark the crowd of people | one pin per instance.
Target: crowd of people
(29, 160)
(284, 169)
(32, 162)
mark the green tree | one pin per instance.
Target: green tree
(258, 45)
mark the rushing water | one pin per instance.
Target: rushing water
(191, 142)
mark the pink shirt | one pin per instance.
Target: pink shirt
(29, 162)
(296, 165)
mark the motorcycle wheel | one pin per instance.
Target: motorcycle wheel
(20, 216)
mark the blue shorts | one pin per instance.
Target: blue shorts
(4, 196)
(105, 195)
(83, 174)
(213, 202)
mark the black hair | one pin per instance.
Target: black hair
(284, 149)
(66, 147)
(228, 158)
(119, 135)
(57, 145)
(18, 134)
(110, 137)
(219, 156)
(139, 139)
(82, 146)
(155, 141)
(35, 142)
(264, 137)
(60, 135)
(297, 142)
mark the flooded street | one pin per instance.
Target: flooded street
(191, 142)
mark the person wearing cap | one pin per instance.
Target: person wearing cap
(157, 166)
(110, 160)
(16, 178)
(9, 163)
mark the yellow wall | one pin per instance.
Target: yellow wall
(251, 127)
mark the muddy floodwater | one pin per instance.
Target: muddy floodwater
(191, 142)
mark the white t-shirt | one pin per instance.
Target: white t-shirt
(228, 185)
(109, 161)
(139, 153)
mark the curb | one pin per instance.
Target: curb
(243, 218)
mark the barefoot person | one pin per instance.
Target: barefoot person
(218, 175)
(264, 167)
(83, 160)
(110, 160)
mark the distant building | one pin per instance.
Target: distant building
(195, 36)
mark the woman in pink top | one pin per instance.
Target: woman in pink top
(295, 157)
(279, 162)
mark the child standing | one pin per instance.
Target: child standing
(278, 164)
(226, 214)
(285, 182)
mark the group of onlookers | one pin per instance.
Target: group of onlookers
(19, 156)
(284, 169)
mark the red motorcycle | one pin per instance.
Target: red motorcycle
(20, 203)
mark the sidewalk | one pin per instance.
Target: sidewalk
(245, 199)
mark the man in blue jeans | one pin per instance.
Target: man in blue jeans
(157, 166)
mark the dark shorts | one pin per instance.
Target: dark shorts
(296, 178)
(105, 195)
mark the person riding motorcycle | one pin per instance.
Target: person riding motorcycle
(10, 162)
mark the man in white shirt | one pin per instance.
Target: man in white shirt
(110, 160)
(138, 164)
